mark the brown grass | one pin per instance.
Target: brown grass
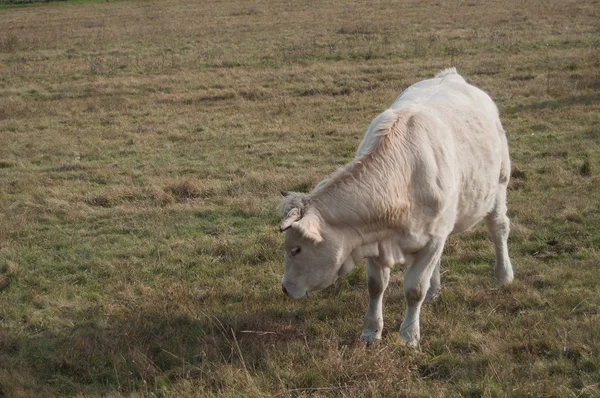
(144, 146)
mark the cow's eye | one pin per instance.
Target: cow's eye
(296, 250)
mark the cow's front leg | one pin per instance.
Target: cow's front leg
(416, 283)
(378, 278)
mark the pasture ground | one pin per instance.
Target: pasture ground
(143, 148)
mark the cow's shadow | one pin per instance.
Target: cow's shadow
(140, 349)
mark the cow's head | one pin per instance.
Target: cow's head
(315, 253)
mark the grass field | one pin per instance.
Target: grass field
(143, 148)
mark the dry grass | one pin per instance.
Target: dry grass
(144, 147)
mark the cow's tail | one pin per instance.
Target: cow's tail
(446, 72)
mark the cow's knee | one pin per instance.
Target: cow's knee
(374, 285)
(414, 295)
(498, 223)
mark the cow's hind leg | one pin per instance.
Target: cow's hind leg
(435, 284)
(499, 227)
(377, 281)
(416, 283)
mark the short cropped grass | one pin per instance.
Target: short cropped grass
(144, 146)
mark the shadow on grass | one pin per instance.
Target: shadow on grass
(143, 351)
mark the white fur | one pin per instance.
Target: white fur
(433, 164)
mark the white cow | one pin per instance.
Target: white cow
(434, 164)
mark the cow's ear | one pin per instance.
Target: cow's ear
(292, 216)
(309, 226)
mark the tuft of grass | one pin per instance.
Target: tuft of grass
(518, 174)
(186, 190)
(586, 168)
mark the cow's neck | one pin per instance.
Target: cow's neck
(369, 193)
(367, 199)
(367, 203)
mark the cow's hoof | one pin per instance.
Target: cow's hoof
(370, 337)
(409, 342)
(409, 336)
(504, 278)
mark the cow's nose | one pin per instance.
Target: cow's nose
(284, 289)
